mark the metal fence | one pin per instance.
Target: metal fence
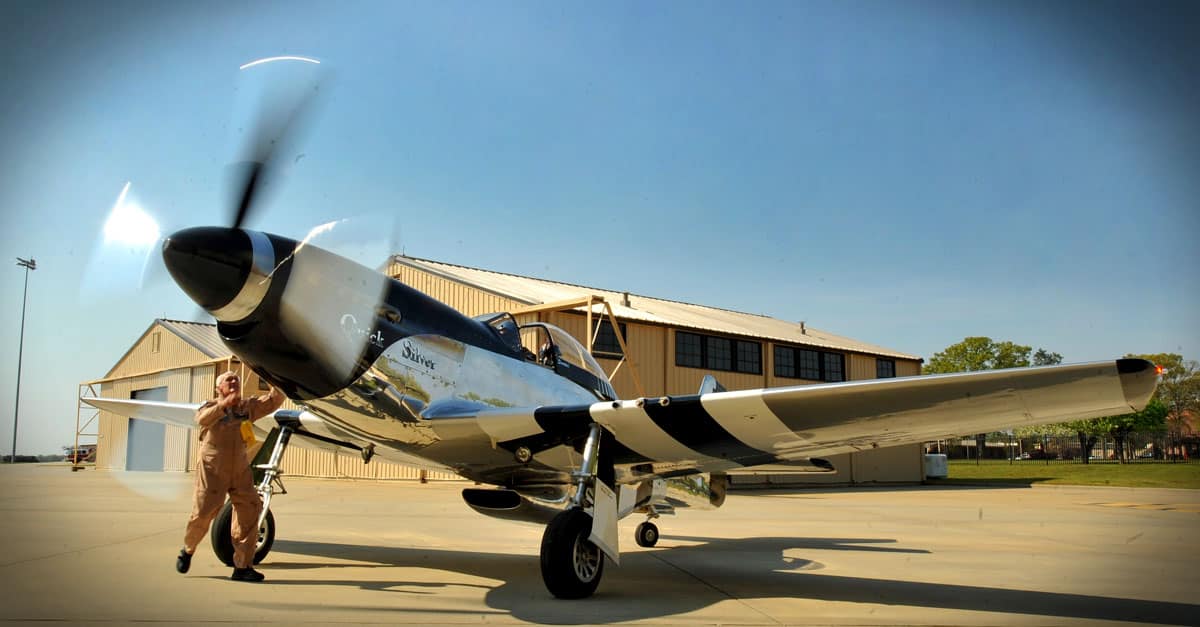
(1154, 447)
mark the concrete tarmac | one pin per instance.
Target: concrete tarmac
(99, 547)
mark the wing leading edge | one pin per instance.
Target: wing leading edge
(723, 430)
(177, 414)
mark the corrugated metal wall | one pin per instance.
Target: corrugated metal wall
(114, 430)
(469, 300)
(860, 367)
(112, 435)
(177, 448)
(645, 343)
(203, 380)
(653, 348)
(153, 355)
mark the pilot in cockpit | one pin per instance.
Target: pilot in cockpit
(548, 354)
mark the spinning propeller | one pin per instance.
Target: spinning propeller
(211, 264)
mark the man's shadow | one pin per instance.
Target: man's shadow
(662, 582)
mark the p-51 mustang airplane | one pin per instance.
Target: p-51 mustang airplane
(414, 381)
(381, 368)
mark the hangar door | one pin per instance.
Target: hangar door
(144, 449)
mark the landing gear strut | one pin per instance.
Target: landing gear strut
(269, 482)
(268, 478)
(571, 563)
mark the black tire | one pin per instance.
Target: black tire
(222, 536)
(646, 534)
(571, 564)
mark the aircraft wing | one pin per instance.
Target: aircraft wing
(722, 430)
(176, 414)
(184, 415)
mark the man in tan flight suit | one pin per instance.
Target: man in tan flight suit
(223, 468)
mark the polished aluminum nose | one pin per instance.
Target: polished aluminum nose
(226, 271)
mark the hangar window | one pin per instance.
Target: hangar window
(885, 368)
(785, 362)
(156, 342)
(749, 357)
(810, 364)
(834, 367)
(719, 355)
(693, 350)
(606, 344)
(803, 363)
(688, 350)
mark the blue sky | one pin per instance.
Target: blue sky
(903, 173)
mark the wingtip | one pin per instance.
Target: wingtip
(1139, 378)
(1133, 365)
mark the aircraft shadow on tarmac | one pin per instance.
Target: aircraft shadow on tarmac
(663, 582)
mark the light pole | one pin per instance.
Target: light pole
(28, 264)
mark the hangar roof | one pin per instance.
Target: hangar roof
(201, 335)
(647, 309)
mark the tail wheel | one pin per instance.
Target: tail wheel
(646, 534)
(571, 564)
(222, 536)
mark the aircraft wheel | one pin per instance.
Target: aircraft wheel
(571, 564)
(222, 536)
(646, 534)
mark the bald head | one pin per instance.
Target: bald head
(229, 383)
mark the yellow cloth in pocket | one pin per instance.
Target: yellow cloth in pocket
(248, 434)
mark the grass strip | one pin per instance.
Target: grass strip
(1028, 472)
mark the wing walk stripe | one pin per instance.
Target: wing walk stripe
(686, 420)
(573, 423)
(746, 416)
(633, 425)
(564, 421)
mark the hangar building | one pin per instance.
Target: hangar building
(657, 347)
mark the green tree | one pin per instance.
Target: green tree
(1044, 357)
(1179, 388)
(1087, 431)
(1152, 418)
(977, 353)
(984, 353)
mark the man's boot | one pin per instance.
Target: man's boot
(246, 574)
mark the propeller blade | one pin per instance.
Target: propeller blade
(282, 114)
(123, 256)
(248, 186)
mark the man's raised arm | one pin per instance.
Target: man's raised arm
(209, 413)
(262, 405)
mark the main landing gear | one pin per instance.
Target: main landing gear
(571, 563)
(269, 480)
(222, 540)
